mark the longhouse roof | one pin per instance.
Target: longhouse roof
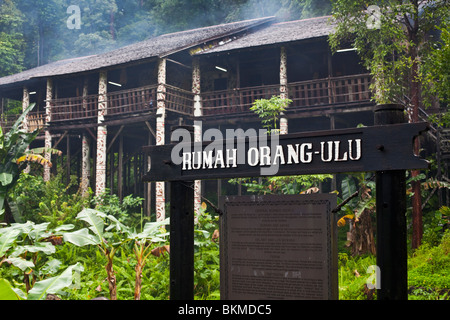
(164, 45)
(159, 46)
(282, 32)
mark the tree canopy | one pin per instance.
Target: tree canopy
(395, 40)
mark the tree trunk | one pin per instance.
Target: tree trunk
(111, 279)
(8, 216)
(138, 282)
(417, 226)
(362, 235)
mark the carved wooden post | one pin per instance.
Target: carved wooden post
(85, 164)
(48, 136)
(25, 105)
(283, 88)
(197, 129)
(160, 135)
(85, 149)
(102, 133)
(391, 220)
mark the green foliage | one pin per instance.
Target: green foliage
(11, 40)
(436, 71)
(51, 201)
(354, 275)
(128, 211)
(206, 258)
(27, 249)
(364, 184)
(435, 223)
(428, 270)
(282, 184)
(269, 111)
(402, 40)
(13, 145)
(109, 235)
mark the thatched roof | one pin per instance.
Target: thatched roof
(283, 32)
(160, 46)
(167, 44)
(35, 72)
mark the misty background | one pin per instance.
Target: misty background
(36, 32)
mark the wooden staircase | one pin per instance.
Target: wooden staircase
(441, 137)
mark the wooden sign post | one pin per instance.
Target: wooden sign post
(386, 148)
(391, 220)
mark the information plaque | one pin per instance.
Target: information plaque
(280, 247)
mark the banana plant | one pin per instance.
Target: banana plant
(41, 288)
(13, 145)
(26, 247)
(108, 234)
(153, 232)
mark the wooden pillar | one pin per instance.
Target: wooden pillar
(197, 130)
(330, 75)
(111, 171)
(48, 136)
(148, 186)
(120, 175)
(391, 219)
(334, 179)
(102, 133)
(85, 164)
(196, 88)
(160, 135)
(182, 240)
(68, 160)
(283, 88)
(25, 105)
(85, 149)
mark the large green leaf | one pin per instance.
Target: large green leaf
(81, 237)
(115, 224)
(348, 187)
(39, 231)
(22, 227)
(2, 201)
(44, 247)
(92, 217)
(64, 227)
(6, 178)
(54, 284)
(6, 291)
(2, 137)
(7, 239)
(20, 263)
(152, 229)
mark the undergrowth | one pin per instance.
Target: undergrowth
(57, 203)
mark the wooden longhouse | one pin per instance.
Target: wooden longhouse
(101, 110)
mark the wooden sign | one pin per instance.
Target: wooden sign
(375, 148)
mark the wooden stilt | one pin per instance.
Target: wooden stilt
(120, 169)
(48, 136)
(102, 133)
(68, 159)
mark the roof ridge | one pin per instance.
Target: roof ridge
(217, 26)
(301, 20)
